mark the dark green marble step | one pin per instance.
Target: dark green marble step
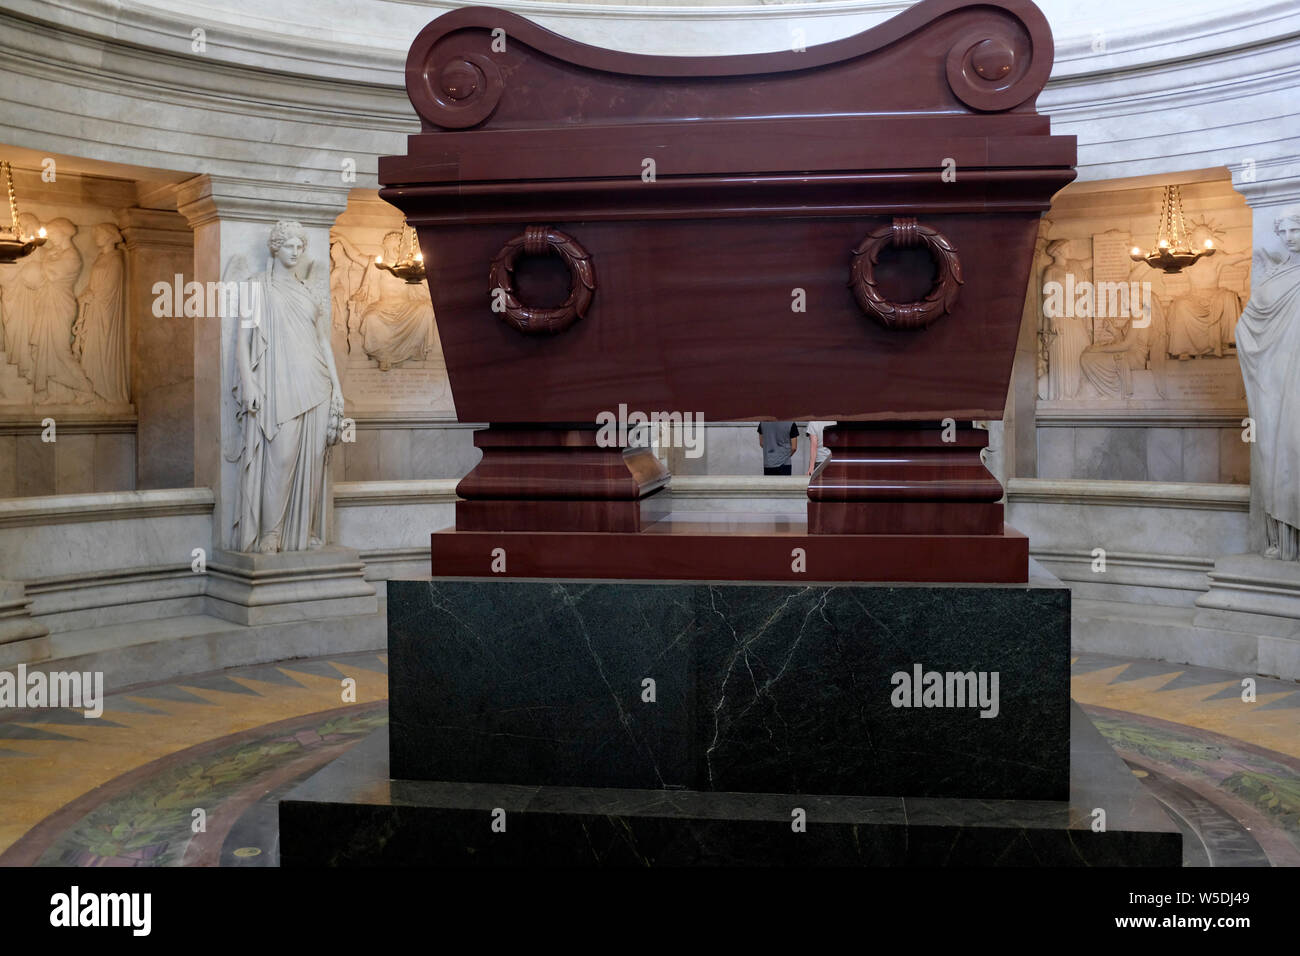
(352, 814)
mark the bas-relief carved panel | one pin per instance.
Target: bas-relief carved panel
(63, 314)
(385, 337)
(1093, 354)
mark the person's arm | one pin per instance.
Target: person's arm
(351, 251)
(794, 438)
(812, 450)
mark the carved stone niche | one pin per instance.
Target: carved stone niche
(605, 230)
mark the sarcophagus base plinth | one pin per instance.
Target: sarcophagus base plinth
(905, 478)
(558, 478)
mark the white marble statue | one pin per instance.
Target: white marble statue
(100, 331)
(397, 323)
(54, 311)
(1071, 332)
(1268, 348)
(18, 286)
(289, 403)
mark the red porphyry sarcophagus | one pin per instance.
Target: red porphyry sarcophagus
(843, 232)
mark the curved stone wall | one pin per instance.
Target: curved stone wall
(272, 94)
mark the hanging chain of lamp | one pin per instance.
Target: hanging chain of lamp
(1173, 250)
(13, 244)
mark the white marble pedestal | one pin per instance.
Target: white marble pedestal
(254, 589)
(1255, 595)
(22, 637)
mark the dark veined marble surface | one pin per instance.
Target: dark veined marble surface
(756, 687)
(352, 813)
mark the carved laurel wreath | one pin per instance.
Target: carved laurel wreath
(905, 233)
(536, 240)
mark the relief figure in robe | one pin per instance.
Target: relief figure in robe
(348, 267)
(53, 315)
(18, 285)
(100, 331)
(397, 325)
(1203, 320)
(1071, 327)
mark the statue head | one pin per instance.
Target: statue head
(392, 245)
(28, 225)
(287, 242)
(106, 235)
(1199, 234)
(60, 231)
(1287, 227)
(1057, 249)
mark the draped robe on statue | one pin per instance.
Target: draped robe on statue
(1202, 321)
(1268, 348)
(399, 325)
(282, 478)
(103, 350)
(54, 312)
(19, 284)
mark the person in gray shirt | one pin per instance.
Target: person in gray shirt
(780, 440)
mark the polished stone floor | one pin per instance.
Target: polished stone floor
(125, 789)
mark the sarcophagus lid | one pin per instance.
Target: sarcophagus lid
(840, 232)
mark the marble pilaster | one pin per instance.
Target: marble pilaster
(232, 219)
(159, 246)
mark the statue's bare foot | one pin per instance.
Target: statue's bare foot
(269, 544)
(313, 543)
(1271, 552)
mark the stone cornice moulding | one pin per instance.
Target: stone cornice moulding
(1171, 562)
(1281, 185)
(367, 420)
(79, 422)
(347, 100)
(1130, 41)
(154, 229)
(1203, 26)
(85, 580)
(79, 57)
(207, 198)
(1139, 418)
(416, 491)
(1140, 494)
(107, 506)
